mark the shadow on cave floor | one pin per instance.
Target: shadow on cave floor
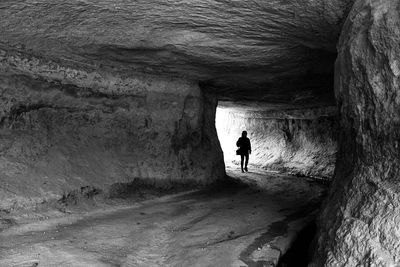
(231, 225)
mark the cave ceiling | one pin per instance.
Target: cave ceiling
(278, 51)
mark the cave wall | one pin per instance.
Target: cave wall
(258, 49)
(296, 142)
(360, 224)
(62, 129)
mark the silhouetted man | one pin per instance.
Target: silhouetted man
(244, 149)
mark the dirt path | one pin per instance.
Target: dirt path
(230, 227)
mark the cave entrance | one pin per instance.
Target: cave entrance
(230, 122)
(285, 144)
(295, 142)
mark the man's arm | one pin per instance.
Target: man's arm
(249, 147)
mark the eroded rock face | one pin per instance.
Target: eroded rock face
(360, 225)
(75, 111)
(300, 142)
(62, 129)
(276, 51)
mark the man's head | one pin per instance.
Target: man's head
(244, 134)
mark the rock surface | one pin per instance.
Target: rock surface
(301, 142)
(101, 92)
(65, 129)
(277, 51)
(230, 226)
(360, 225)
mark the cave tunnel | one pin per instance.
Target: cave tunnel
(119, 122)
(288, 141)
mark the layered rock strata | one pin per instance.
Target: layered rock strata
(253, 50)
(360, 225)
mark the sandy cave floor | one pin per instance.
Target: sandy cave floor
(236, 226)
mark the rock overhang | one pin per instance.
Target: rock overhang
(278, 52)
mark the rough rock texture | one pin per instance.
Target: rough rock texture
(298, 142)
(277, 51)
(76, 112)
(360, 225)
(64, 129)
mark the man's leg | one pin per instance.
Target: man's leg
(241, 162)
(247, 161)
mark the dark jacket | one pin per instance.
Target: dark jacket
(244, 145)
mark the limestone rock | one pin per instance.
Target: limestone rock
(101, 92)
(277, 51)
(360, 225)
(66, 129)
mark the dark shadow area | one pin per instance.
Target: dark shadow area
(299, 255)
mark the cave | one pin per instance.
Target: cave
(119, 122)
(291, 141)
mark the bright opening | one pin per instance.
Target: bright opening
(281, 141)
